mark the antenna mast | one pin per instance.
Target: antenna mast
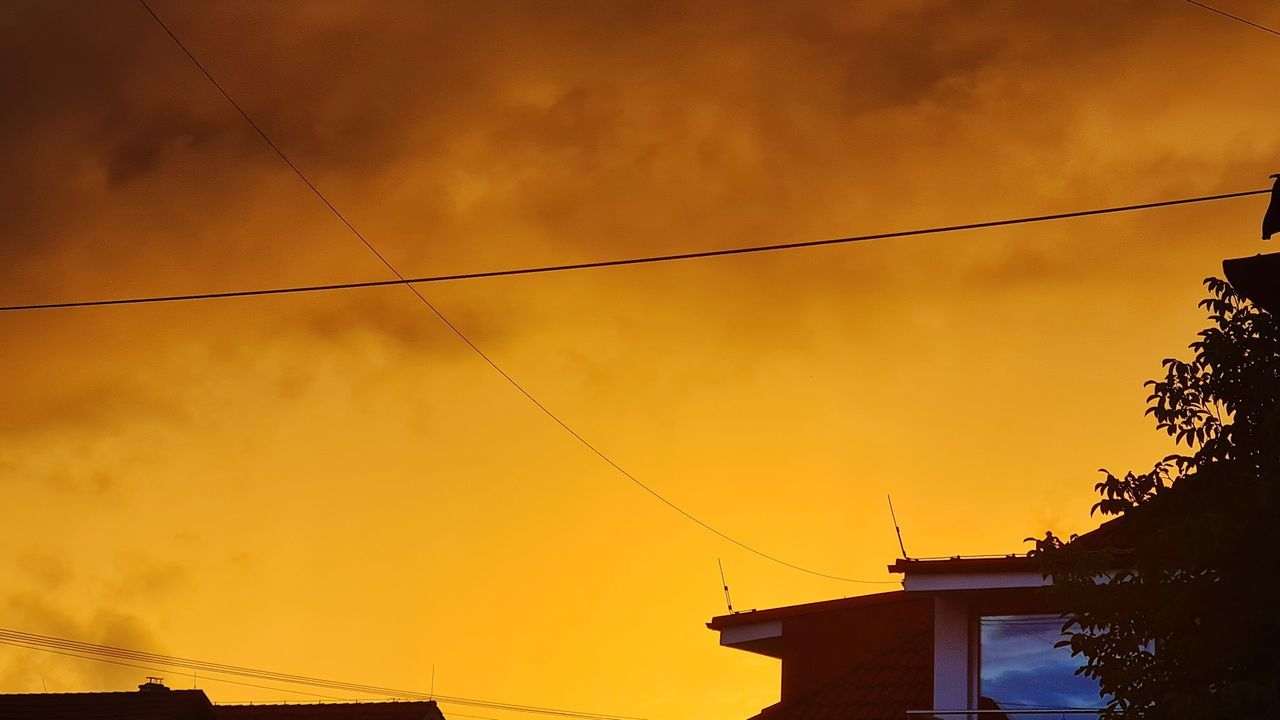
(897, 529)
(728, 603)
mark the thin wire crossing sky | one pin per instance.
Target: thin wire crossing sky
(334, 487)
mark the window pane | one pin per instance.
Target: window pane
(1019, 666)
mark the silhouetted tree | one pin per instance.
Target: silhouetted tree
(1175, 603)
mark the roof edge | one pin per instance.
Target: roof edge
(748, 617)
(958, 564)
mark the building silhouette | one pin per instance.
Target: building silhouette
(966, 638)
(154, 701)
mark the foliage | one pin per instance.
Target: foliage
(1173, 603)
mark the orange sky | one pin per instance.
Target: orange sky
(332, 485)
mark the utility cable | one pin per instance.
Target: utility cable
(41, 641)
(1237, 18)
(463, 337)
(621, 262)
(160, 670)
(126, 656)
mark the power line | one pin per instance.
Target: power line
(125, 656)
(622, 262)
(40, 641)
(1237, 18)
(159, 670)
(463, 337)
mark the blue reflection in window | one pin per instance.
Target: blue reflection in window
(1019, 666)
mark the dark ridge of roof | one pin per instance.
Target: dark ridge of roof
(1007, 563)
(754, 616)
(1113, 536)
(156, 705)
(883, 688)
(401, 710)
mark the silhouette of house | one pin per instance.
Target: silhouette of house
(154, 701)
(963, 634)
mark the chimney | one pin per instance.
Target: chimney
(153, 684)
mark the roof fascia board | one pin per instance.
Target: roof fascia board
(973, 581)
(731, 636)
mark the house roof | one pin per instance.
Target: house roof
(883, 688)
(1112, 536)
(415, 710)
(958, 564)
(151, 705)
(166, 704)
(754, 616)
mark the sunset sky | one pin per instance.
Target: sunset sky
(334, 485)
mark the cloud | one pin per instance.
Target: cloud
(42, 599)
(574, 124)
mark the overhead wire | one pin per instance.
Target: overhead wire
(401, 280)
(40, 641)
(125, 656)
(107, 658)
(25, 646)
(1237, 18)
(623, 262)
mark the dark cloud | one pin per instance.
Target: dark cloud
(45, 597)
(499, 134)
(138, 155)
(585, 108)
(78, 406)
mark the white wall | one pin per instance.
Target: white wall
(950, 654)
(975, 581)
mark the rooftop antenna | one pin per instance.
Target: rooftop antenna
(432, 695)
(897, 529)
(728, 603)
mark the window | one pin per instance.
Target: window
(1019, 667)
